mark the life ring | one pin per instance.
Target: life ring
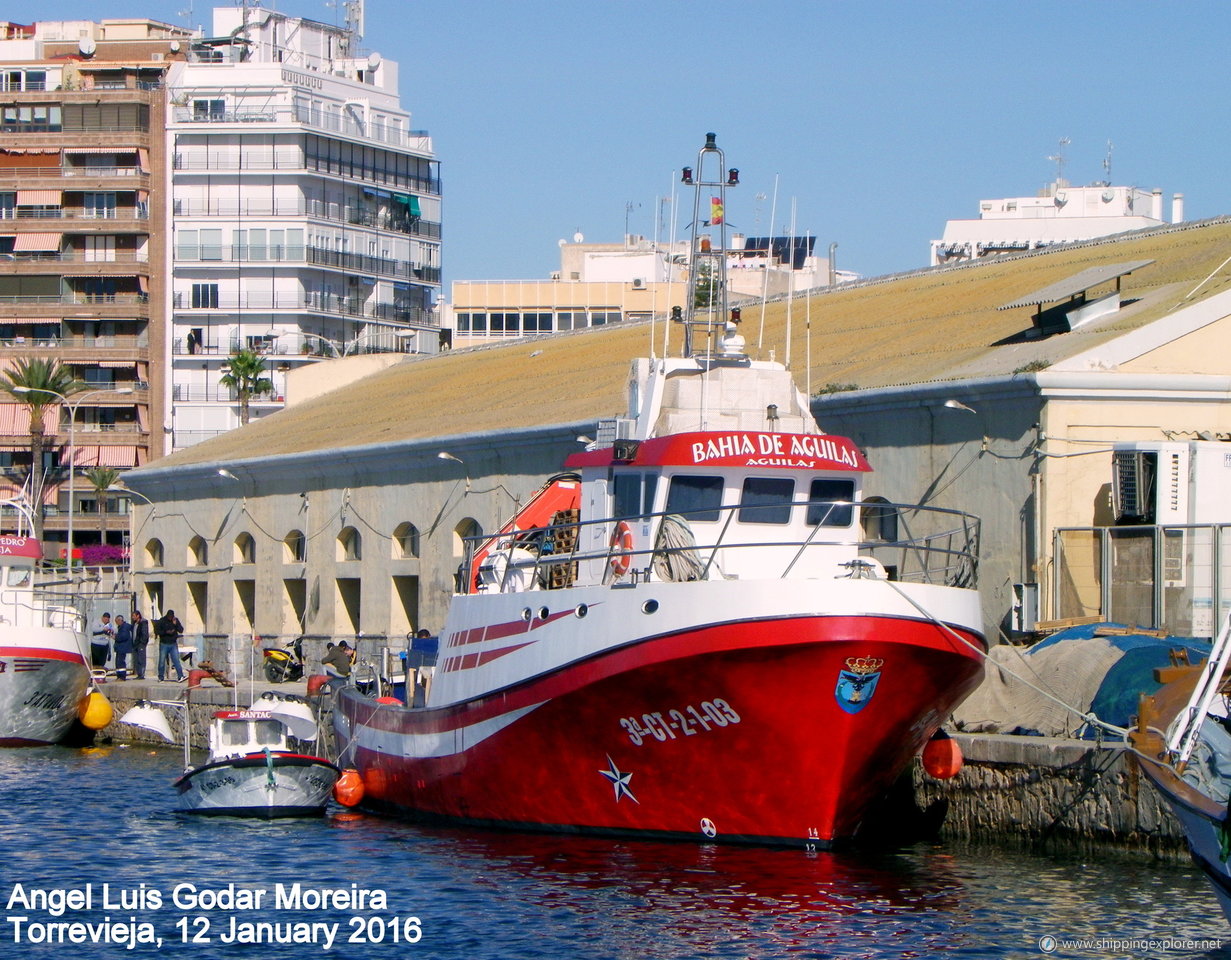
(621, 549)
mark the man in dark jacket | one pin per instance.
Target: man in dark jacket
(141, 640)
(168, 629)
(123, 646)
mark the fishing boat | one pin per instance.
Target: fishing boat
(253, 770)
(1183, 744)
(699, 630)
(44, 652)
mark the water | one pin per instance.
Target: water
(72, 818)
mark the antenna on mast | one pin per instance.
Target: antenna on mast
(354, 25)
(1107, 164)
(1058, 160)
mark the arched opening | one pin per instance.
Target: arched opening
(350, 545)
(245, 549)
(468, 527)
(295, 547)
(153, 553)
(405, 541)
(198, 552)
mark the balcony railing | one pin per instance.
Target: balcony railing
(79, 256)
(78, 299)
(57, 173)
(395, 135)
(277, 253)
(77, 343)
(74, 213)
(309, 300)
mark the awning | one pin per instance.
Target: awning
(15, 419)
(37, 242)
(143, 158)
(41, 151)
(118, 456)
(143, 196)
(143, 283)
(39, 198)
(115, 364)
(411, 203)
(99, 149)
(143, 417)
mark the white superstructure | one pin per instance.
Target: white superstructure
(1061, 213)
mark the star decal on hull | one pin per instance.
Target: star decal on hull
(619, 781)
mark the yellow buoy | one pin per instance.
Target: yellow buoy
(95, 711)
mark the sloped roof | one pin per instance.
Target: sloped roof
(933, 325)
(1078, 283)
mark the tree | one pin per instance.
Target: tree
(39, 378)
(102, 479)
(245, 374)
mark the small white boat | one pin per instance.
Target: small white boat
(252, 770)
(44, 661)
(1183, 744)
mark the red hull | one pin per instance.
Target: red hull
(745, 741)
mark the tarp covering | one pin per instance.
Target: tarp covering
(1100, 674)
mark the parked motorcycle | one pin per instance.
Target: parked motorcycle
(284, 663)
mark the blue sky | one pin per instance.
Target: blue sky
(881, 120)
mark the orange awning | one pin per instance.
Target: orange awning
(39, 198)
(37, 242)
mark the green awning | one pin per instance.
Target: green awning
(412, 203)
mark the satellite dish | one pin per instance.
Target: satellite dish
(1108, 196)
(373, 60)
(87, 46)
(174, 46)
(578, 238)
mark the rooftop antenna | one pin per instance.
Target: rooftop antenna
(1058, 160)
(1107, 164)
(354, 24)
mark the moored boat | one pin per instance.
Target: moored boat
(253, 769)
(1183, 744)
(44, 665)
(701, 631)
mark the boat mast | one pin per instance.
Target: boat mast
(706, 297)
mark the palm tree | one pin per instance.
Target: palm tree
(41, 380)
(245, 373)
(102, 479)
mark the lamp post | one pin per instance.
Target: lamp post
(72, 452)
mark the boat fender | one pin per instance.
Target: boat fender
(389, 700)
(95, 711)
(621, 549)
(316, 682)
(348, 791)
(942, 757)
(195, 676)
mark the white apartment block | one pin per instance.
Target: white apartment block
(305, 211)
(1061, 213)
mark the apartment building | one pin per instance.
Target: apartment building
(306, 211)
(82, 238)
(170, 196)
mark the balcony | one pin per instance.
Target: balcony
(114, 220)
(129, 177)
(80, 305)
(349, 263)
(334, 213)
(82, 349)
(309, 301)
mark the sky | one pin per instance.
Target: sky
(874, 121)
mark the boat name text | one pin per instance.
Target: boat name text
(779, 446)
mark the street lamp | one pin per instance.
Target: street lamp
(72, 451)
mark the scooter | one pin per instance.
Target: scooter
(284, 663)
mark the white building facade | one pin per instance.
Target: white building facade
(1061, 213)
(305, 211)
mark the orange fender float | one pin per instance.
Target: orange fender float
(942, 757)
(348, 791)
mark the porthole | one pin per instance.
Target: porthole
(650, 606)
(581, 610)
(526, 614)
(544, 613)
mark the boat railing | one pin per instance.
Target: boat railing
(906, 542)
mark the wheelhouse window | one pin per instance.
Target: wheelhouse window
(823, 496)
(695, 498)
(634, 494)
(766, 500)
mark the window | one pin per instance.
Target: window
(209, 110)
(766, 500)
(198, 552)
(536, 322)
(634, 494)
(296, 547)
(205, 295)
(98, 206)
(153, 553)
(880, 520)
(245, 549)
(695, 498)
(822, 494)
(350, 545)
(405, 541)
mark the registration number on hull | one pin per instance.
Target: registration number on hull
(677, 723)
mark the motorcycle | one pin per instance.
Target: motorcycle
(284, 663)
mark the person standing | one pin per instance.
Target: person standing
(168, 629)
(100, 641)
(141, 640)
(123, 646)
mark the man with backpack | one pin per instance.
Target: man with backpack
(168, 630)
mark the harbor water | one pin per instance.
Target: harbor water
(94, 859)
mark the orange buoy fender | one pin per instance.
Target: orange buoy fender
(942, 757)
(95, 711)
(389, 700)
(348, 791)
